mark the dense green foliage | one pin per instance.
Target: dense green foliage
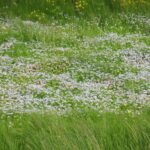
(45, 9)
(74, 74)
(75, 131)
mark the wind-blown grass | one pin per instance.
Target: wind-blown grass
(73, 78)
(74, 86)
(75, 131)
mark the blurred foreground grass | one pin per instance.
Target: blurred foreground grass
(108, 131)
(86, 55)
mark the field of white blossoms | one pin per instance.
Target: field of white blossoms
(72, 67)
(96, 74)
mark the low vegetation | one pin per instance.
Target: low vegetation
(74, 75)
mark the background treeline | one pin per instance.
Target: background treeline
(40, 9)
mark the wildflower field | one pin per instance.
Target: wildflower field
(74, 74)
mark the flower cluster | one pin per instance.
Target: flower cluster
(37, 15)
(51, 2)
(80, 5)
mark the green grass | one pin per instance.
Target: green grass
(41, 10)
(75, 131)
(18, 50)
(74, 79)
(74, 63)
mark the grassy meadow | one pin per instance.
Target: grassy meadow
(74, 74)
